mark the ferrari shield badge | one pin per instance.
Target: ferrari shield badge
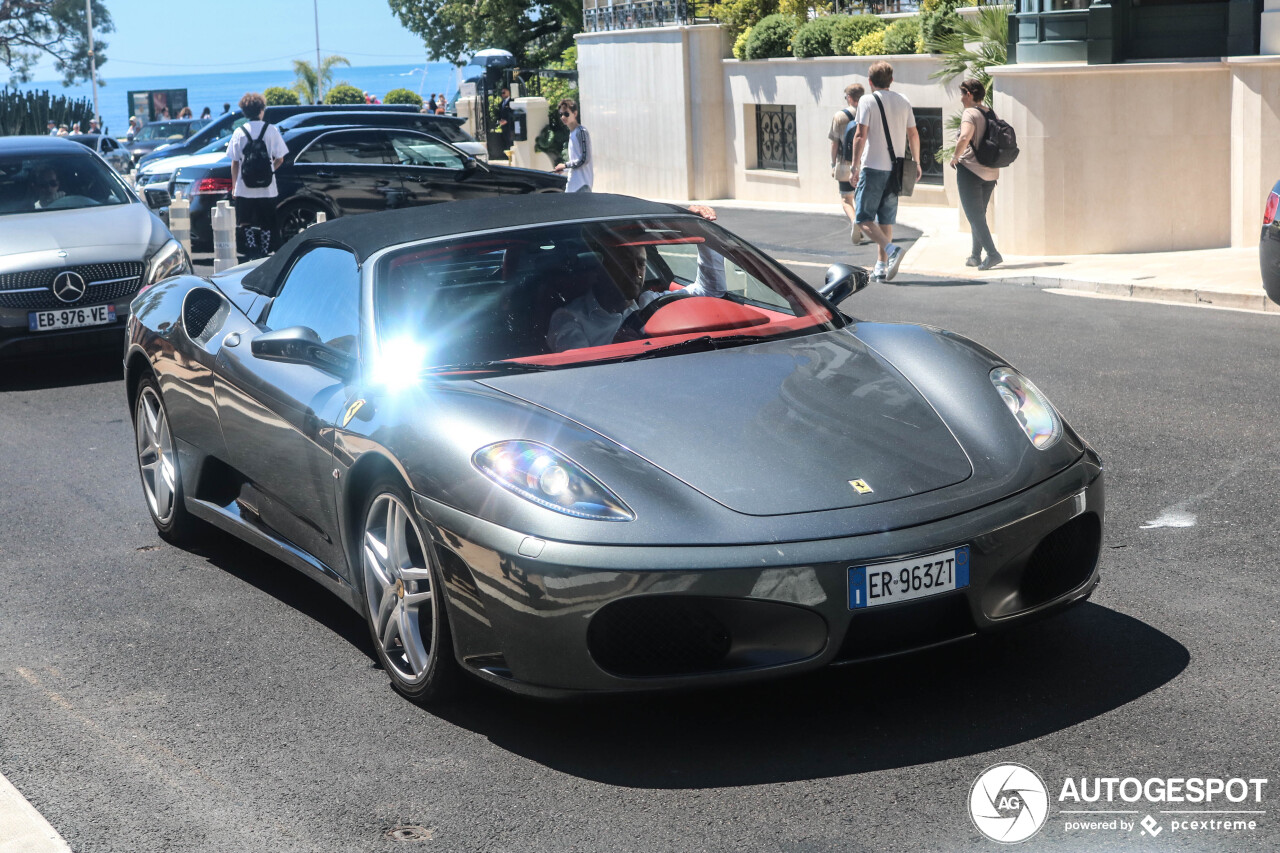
(861, 487)
(351, 412)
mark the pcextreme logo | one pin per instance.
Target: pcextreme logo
(1009, 803)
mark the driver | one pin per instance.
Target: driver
(47, 187)
(594, 318)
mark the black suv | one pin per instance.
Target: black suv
(347, 170)
(225, 125)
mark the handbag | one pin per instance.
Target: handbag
(902, 170)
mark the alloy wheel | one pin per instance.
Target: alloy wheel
(156, 457)
(399, 591)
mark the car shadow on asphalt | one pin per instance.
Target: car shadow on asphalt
(965, 699)
(61, 371)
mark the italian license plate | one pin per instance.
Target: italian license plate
(71, 318)
(904, 580)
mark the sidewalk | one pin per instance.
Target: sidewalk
(1223, 278)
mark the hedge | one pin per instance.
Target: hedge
(872, 44)
(344, 93)
(279, 96)
(902, 36)
(814, 38)
(772, 37)
(847, 29)
(402, 96)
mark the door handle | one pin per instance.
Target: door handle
(381, 183)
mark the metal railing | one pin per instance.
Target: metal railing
(631, 16)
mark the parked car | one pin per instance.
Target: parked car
(110, 149)
(224, 125)
(1269, 245)
(738, 484)
(340, 171)
(152, 180)
(448, 128)
(76, 244)
(159, 134)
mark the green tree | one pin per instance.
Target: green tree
(31, 30)
(403, 96)
(310, 82)
(534, 31)
(973, 47)
(344, 93)
(276, 96)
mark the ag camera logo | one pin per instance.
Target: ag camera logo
(1008, 803)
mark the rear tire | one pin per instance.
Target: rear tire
(158, 465)
(404, 598)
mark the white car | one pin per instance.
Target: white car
(152, 179)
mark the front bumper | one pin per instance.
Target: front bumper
(552, 618)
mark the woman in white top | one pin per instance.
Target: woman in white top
(975, 181)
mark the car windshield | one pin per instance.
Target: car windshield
(562, 295)
(34, 184)
(163, 130)
(217, 146)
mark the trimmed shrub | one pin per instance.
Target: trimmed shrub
(279, 96)
(902, 36)
(740, 44)
(872, 44)
(772, 37)
(847, 29)
(813, 38)
(402, 96)
(738, 16)
(344, 93)
(937, 25)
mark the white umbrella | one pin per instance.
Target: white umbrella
(492, 56)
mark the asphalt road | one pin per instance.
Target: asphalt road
(156, 699)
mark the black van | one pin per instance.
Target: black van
(226, 124)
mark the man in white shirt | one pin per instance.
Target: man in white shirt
(877, 207)
(594, 318)
(256, 205)
(579, 169)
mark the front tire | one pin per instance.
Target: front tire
(158, 465)
(296, 217)
(404, 599)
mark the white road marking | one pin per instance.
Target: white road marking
(1180, 514)
(1171, 517)
(22, 828)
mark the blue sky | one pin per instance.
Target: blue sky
(198, 36)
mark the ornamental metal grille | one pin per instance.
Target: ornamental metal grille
(776, 137)
(929, 125)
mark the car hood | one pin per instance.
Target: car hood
(168, 165)
(774, 428)
(126, 228)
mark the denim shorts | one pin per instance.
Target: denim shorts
(874, 203)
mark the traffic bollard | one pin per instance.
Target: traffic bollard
(224, 236)
(180, 222)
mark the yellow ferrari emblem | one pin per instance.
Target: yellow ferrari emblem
(861, 487)
(351, 412)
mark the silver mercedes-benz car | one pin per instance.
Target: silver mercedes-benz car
(76, 245)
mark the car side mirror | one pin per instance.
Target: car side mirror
(469, 167)
(301, 345)
(843, 281)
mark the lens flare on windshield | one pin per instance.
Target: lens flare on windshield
(1033, 411)
(400, 362)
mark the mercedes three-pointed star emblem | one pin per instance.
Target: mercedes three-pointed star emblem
(69, 287)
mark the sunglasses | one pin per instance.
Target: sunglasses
(565, 115)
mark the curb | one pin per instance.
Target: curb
(1174, 295)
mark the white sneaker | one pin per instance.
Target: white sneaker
(895, 253)
(877, 272)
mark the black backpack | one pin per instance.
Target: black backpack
(846, 144)
(255, 164)
(999, 144)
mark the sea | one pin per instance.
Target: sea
(214, 90)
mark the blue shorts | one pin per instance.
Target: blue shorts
(874, 203)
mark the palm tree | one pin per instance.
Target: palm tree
(312, 83)
(969, 50)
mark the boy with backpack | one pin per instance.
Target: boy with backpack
(842, 155)
(257, 149)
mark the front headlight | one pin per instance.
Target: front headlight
(169, 260)
(1032, 409)
(544, 476)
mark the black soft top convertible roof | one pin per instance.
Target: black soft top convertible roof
(370, 233)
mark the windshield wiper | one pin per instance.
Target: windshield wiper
(488, 367)
(702, 344)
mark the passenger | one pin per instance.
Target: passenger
(594, 318)
(47, 187)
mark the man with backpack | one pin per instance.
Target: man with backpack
(842, 155)
(257, 149)
(886, 128)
